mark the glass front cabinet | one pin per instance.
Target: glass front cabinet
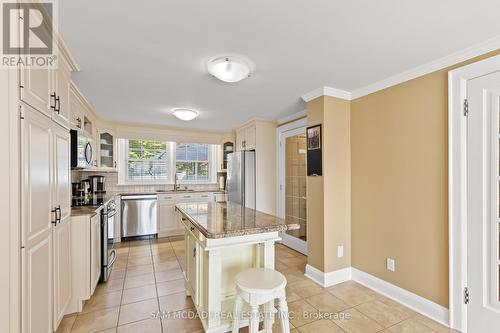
(107, 150)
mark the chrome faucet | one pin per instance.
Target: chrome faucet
(176, 185)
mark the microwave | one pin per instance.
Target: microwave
(82, 152)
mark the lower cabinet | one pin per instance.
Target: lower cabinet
(168, 222)
(62, 269)
(85, 258)
(95, 251)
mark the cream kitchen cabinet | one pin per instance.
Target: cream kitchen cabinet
(45, 240)
(246, 137)
(95, 251)
(62, 228)
(106, 148)
(168, 221)
(48, 90)
(76, 109)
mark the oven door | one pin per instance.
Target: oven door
(108, 254)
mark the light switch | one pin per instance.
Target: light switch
(391, 265)
(340, 251)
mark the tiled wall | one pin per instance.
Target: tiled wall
(112, 183)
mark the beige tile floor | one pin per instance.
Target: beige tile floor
(147, 277)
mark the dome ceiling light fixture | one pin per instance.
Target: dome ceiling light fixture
(229, 68)
(185, 114)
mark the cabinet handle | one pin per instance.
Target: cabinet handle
(192, 228)
(79, 122)
(54, 222)
(58, 214)
(53, 95)
(115, 164)
(194, 252)
(57, 105)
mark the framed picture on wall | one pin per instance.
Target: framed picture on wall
(314, 137)
(314, 154)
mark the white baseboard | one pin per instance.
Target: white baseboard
(328, 279)
(405, 297)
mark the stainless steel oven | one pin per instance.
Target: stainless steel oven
(108, 255)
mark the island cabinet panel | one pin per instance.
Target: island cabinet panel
(221, 240)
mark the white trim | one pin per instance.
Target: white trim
(400, 295)
(410, 74)
(326, 91)
(295, 243)
(292, 117)
(457, 191)
(328, 279)
(432, 66)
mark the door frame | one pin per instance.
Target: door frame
(457, 183)
(281, 131)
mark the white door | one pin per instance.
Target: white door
(483, 209)
(292, 186)
(62, 230)
(36, 227)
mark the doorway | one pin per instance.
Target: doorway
(292, 201)
(475, 197)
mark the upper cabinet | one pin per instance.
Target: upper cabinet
(246, 137)
(48, 89)
(107, 149)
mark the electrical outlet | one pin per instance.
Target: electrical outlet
(340, 251)
(391, 265)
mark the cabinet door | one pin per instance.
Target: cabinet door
(36, 225)
(62, 269)
(62, 176)
(61, 87)
(62, 233)
(240, 139)
(35, 89)
(76, 111)
(95, 251)
(107, 150)
(191, 264)
(250, 135)
(169, 224)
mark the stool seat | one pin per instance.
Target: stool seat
(260, 280)
(256, 287)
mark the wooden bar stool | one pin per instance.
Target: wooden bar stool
(261, 286)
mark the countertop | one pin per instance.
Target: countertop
(229, 219)
(106, 197)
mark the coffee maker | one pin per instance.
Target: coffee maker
(97, 184)
(80, 193)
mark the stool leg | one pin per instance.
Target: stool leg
(237, 313)
(254, 320)
(269, 316)
(285, 325)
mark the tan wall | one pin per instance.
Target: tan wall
(315, 198)
(328, 196)
(399, 184)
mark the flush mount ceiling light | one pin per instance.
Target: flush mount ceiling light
(185, 114)
(229, 69)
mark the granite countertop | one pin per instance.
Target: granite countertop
(93, 209)
(229, 219)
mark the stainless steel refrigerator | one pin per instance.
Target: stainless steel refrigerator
(241, 178)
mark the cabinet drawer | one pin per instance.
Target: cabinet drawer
(167, 197)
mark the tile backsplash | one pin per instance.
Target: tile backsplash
(112, 183)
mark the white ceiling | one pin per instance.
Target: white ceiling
(139, 59)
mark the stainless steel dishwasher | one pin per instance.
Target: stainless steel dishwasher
(139, 215)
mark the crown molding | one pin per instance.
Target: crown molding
(292, 117)
(427, 68)
(326, 91)
(430, 67)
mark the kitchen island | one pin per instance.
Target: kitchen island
(222, 239)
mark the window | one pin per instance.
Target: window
(147, 160)
(192, 161)
(150, 161)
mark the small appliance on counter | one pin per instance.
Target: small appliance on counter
(97, 184)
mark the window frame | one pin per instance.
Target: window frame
(122, 158)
